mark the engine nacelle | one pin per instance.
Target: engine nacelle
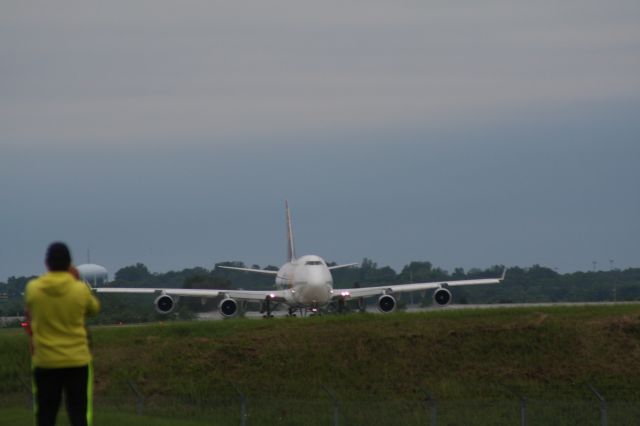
(442, 297)
(164, 304)
(386, 303)
(228, 308)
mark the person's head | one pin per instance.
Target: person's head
(58, 257)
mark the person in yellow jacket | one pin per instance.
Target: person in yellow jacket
(56, 305)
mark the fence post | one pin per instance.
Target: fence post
(243, 406)
(29, 391)
(431, 402)
(603, 405)
(336, 406)
(139, 397)
(523, 404)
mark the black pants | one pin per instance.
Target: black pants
(48, 386)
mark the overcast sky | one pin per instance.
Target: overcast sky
(170, 133)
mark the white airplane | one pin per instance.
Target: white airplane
(304, 283)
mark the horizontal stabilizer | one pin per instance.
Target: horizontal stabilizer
(347, 265)
(255, 271)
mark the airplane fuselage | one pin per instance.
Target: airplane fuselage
(307, 282)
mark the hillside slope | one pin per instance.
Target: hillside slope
(452, 354)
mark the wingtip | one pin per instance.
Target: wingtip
(504, 274)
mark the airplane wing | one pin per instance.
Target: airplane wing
(255, 295)
(401, 288)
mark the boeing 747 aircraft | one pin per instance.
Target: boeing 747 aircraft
(303, 283)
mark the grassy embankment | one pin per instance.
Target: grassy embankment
(373, 364)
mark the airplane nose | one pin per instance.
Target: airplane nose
(316, 293)
(316, 278)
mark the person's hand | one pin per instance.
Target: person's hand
(74, 271)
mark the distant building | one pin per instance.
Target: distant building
(95, 275)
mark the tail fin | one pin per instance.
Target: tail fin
(291, 251)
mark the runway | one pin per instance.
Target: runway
(417, 308)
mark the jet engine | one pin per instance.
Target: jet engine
(386, 303)
(164, 304)
(228, 308)
(442, 296)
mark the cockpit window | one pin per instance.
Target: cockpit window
(313, 262)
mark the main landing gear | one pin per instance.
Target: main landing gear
(362, 307)
(266, 308)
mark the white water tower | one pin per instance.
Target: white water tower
(95, 275)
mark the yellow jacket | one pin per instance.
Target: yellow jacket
(58, 304)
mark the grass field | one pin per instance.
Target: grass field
(17, 417)
(380, 367)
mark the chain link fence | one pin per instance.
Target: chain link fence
(237, 408)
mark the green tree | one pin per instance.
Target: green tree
(135, 273)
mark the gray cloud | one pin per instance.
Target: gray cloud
(170, 133)
(157, 71)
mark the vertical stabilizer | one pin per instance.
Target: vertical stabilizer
(291, 251)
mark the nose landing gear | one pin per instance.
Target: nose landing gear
(314, 310)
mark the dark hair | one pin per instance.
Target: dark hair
(58, 257)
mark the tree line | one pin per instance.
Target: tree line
(535, 284)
